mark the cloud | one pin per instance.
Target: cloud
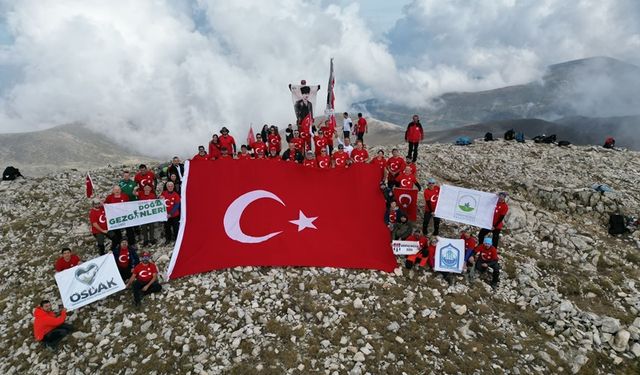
(162, 75)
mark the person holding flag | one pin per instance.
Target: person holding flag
(89, 185)
(431, 194)
(498, 220)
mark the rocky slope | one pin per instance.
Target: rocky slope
(568, 300)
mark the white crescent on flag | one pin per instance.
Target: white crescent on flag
(405, 196)
(236, 209)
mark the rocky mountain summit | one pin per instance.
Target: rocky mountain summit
(568, 301)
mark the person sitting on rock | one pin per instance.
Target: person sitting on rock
(498, 220)
(48, 327)
(419, 258)
(126, 259)
(67, 260)
(144, 279)
(487, 257)
(402, 229)
(470, 245)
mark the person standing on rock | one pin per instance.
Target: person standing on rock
(98, 221)
(172, 201)
(380, 162)
(487, 257)
(177, 168)
(361, 128)
(144, 279)
(414, 135)
(347, 124)
(227, 141)
(431, 194)
(67, 260)
(395, 165)
(359, 154)
(48, 327)
(117, 196)
(126, 258)
(127, 185)
(498, 220)
(145, 177)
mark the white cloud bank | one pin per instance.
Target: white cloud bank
(163, 75)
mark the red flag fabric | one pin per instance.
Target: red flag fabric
(89, 185)
(267, 213)
(251, 138)
(407, 200)
(306, 124)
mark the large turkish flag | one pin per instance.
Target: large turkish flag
(270, 213)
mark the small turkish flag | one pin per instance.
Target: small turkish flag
(332, 122)
(407, 200)
(306, 123)
(266, 213)
(250, 137)
(89, 185)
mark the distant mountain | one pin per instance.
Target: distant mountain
(66, 146)
(593, 87)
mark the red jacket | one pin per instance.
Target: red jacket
(46, 322)
(431, 198)
(414, 132)
(487, 254)
(498, 216)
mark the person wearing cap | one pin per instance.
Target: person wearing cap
(144, 278)
(340, 158)
(498, 220)
(145, 177)
(172, 225)
(128, 185)
(309, 160)
(420, 258)
(201, 155)
(319, 142)
(346, 145)
(273, 154)
(147, 230)
(66, 260)
(359, 154)
(323, 160)
(395, 165)
(431, 194)
(258, 146)
(292, 154)
(486, 256)
(244, 153)
(126, 258)
(402, 228)
(49, 327)
(98, 221)
(227, 141)
(380, 162)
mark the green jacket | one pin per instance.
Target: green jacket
(127, 187)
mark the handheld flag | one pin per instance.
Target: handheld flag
(250, 137)
(89, 185)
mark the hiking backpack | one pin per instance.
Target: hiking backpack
(488, 137)
(549, 139)
(10, 173)
(538, 138)
(617, 224)
(463, 141)
(520, 137)
(509, 135)
(564, 143)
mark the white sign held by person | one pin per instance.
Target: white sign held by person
(89, 282)
(449, 255)
(131, 214)
(466, 206)
(405, 247)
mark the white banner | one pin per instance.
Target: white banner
(89, 282)
(130, 214)
(405, 247)
(449, 255)
(466, 206)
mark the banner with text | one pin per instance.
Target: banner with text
(89, 282)
(130, 214)
(466, 206)
(449, 255)
(405, 247)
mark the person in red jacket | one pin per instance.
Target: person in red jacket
(395, 165)
(324, 160)
(48, 327)
(414, 135)
(380, 162)
(172, 225)
(419, 258)
(498, 220)
(227, 141)
(98, 221)
(145, 177)
(359, 154)
(214, 147)
(144, 278)
(431, 194)
(67, 260)
(487, 257)
(258, 146)
(340, 158)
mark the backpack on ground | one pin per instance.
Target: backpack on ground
(463, 141)
(564, 143)
(609, 143)
(617, 224)
(520, 137)
(488, 137)
(10, 173)
(539, 138)
(509, 135)
(549, 139)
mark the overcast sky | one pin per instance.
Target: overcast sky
(170, 72)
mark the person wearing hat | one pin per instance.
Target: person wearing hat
(309, 160)
(98, 221)
(498, 220)
(303, 106)
(126, 258)
(431, 194)
(292, 154)
(225, 140)
(144, 278)
(340, 158)
(486, 256)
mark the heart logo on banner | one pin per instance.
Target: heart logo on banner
(87, 274)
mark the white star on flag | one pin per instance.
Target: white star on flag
(304, 222)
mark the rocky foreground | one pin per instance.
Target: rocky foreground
(568, 300)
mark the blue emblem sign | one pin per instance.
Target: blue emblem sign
(449, 257)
